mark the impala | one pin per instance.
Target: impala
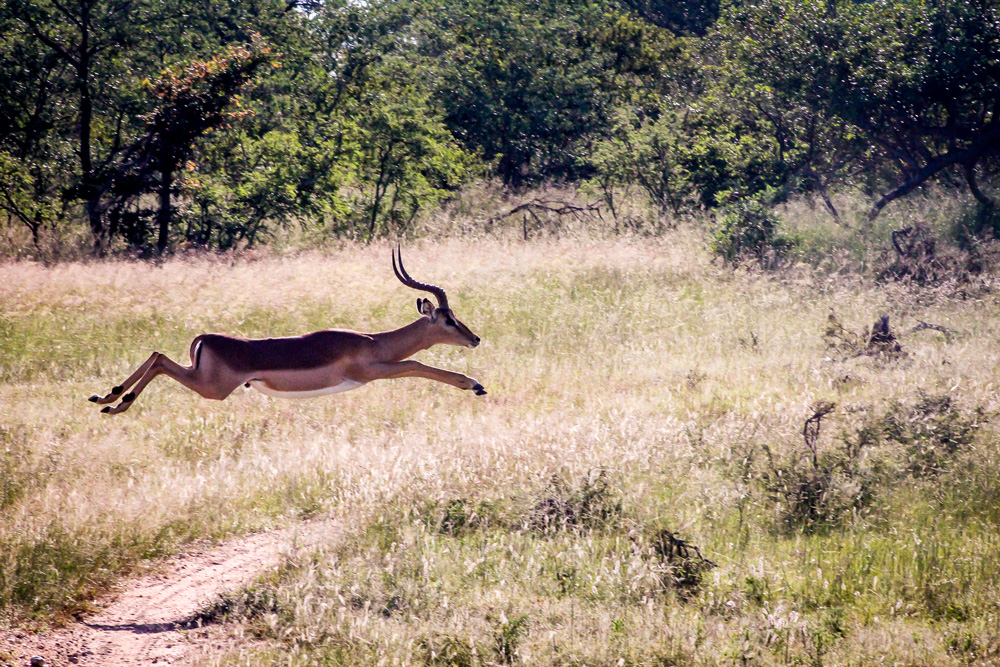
(324, 362)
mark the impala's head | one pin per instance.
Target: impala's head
(450, 330)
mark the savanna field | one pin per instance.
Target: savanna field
(678, 463)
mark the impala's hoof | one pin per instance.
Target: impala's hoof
(94, 398)
(106, 409)
(480, 391)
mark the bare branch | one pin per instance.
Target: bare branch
(927, 325)
(549, 205)
(988, 142)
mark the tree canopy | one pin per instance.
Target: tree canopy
(145, 125)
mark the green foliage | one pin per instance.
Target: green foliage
(816, 488)
(382, 110)
(190, 102)
(749, 230)
(684, 17)
(16, 478)
(931, 431)
(245, 185)
(776, 81)
(196, 98)
(893, 91)
(448, 651)
(460, 517)
(405, 161)
(507, 633)
(528, 86)
(24, 200)
(648, 153)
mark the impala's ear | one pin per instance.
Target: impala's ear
(425, 308)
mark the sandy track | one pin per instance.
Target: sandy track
(148, 623)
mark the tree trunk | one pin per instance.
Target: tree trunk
(986, 143)
(164, 214)
(91, 188)
(970, 178)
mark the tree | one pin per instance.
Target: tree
(648, 152)
(74, 98)
(682, 17)
(895, 92)
(83, 36)
(530, 85)
(406, 160)
(191, 101)
(31, 157)
(923, 84)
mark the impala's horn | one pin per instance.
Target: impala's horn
(405, 278)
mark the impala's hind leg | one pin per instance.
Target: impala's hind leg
(205, 376)
(113, 395)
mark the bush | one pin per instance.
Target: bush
(591, 505)
(932, 431)
(749, 230)
(815, 489)
(686, 567)
(507, 634)
(917, 256)
(461, 516)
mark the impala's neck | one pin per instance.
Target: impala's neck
(406, 341)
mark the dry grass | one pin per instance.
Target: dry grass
(638, 359)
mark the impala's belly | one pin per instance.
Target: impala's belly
(345, 385)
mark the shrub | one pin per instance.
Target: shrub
(589, 505)
(507, 633)
(460, 516)
(932, 431)
(917, 257)
(749, 230)
(447, 650)
(685, 565)
(816, 488)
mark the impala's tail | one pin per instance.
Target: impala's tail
(196, 352)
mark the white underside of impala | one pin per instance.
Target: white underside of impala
(346, 385)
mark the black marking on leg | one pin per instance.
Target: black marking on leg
(94, 398)
(117, 390)
(106, 409)
(129, 397)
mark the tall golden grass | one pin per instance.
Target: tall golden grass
(639, 362)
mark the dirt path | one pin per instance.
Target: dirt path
(145, 623)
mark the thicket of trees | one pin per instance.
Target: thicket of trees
(150, 123)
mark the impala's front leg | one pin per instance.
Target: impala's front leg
(404, 369)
